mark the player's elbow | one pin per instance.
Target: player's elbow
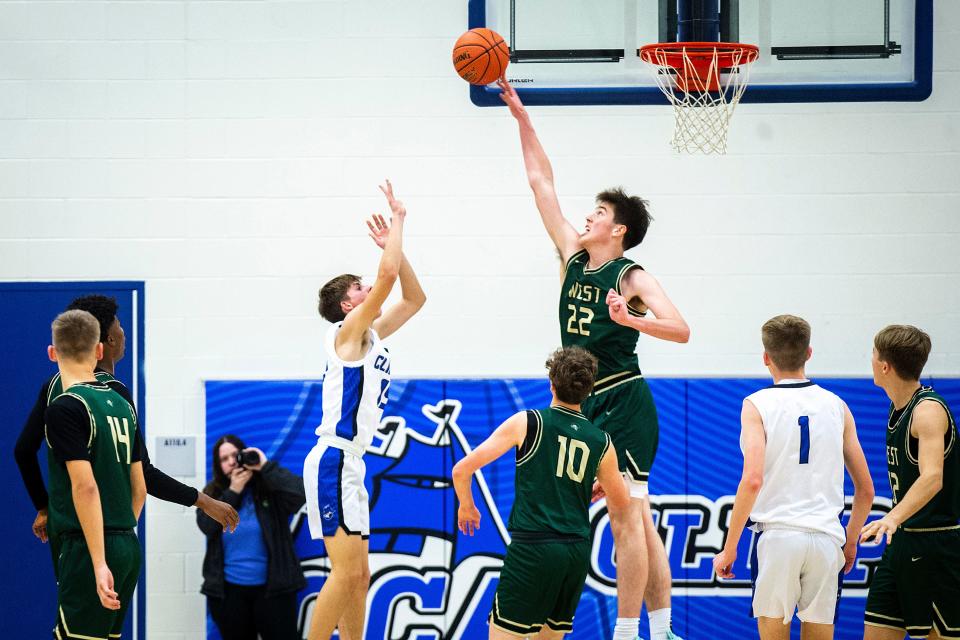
(84, 490)
(683, 334)
(540, 182)
(21, 452)
(460, 471)
(418, 301)
(934, 478)
(752, 482)
(864, 490)
(388, 273)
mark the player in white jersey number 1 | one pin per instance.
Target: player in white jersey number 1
(355, 389)
(796, 439)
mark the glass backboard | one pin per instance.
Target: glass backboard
(567, 52)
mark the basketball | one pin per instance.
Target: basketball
(480, 56)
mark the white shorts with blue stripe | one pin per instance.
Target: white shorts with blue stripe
(333, 475)
(796, 570)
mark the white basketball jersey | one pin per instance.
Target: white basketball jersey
(354, 393)
(803, 465)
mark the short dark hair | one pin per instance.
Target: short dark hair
(75, 334)
(572, 371)
(786, 340)
(332, 294)
(904, 347)
(631, 212)
(103, 308)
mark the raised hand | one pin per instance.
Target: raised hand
(396, 207)
(263, 459)
(379, 230)
(511, 99)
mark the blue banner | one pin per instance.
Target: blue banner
(428, 581)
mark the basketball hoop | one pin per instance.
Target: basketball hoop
(704, 82)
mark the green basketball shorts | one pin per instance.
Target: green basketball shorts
(80, 614)
(917, 584)
(627, 412)
(540, 584)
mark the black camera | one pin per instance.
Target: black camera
(248, 458)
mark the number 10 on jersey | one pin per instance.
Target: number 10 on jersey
(575, 469)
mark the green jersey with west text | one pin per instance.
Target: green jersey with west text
(556, 467)
(943, 510)
(585, 318)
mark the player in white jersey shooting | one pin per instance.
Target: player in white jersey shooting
(355, 389)
(796, 439)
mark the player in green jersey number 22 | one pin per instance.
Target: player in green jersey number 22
(603, 304)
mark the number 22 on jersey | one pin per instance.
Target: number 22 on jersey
(579, 320)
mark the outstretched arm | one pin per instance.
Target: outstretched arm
(754, 442)
(540, 177)
(361, 318)
(412, 295)
(668, 323)
(856, 464)
(929, 425)
(507, 436)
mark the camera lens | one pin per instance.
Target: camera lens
(248, 458)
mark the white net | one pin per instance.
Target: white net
(704, 91)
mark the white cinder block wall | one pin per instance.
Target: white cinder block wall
(227, 153)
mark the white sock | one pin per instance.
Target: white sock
(659, 623)
(626, 629)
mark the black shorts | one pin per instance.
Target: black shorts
(917, 584)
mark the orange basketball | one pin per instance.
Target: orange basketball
(480, 56)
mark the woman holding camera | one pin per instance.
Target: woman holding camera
(251, 577)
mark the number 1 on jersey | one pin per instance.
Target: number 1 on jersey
(804, 422)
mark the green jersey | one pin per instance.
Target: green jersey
(943, 510)
(56, 385)
(90, 421)
(585, 318)
(556, 467)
